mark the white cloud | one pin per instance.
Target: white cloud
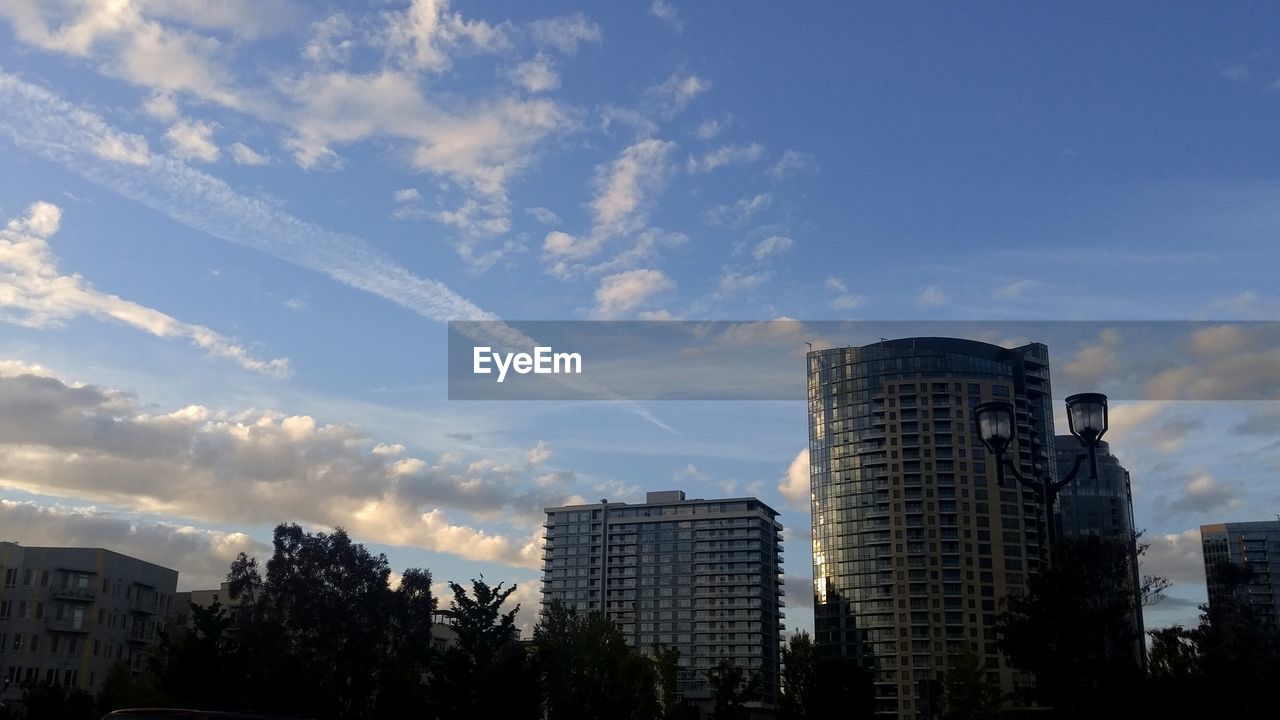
(330, 41)
(312, 154)
(480, 146)
(625, 191)
(1204, 494)
(1176, 556)
(487, 220)
(708, 129)
(835, 284)
(543, 215)
(933, 296)
(623, 292)
(770, 246)
(423, 36)
(258, 467)
(724, 155)
(847, 302)
(625, 186)
(565, 33)
(733, 282)
(677, 91)
(34, 294)
(1094, 362)
(1222, 362)
(794, 162)
(640, 123)
(1014, 289)
(161, 106)
(245, 155)
(538, 454)
(666, 11)
(536, 75)
(794, 484)
(296, 304)
(405, 195)
(739, 212)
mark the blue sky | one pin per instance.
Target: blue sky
(235, 236)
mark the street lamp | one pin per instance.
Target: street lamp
(997, 427)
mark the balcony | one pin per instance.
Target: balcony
(143, 604)
(72, 594)
(142, 634)
(67, 624)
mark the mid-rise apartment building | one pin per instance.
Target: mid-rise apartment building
(701, 576)
(68, 614)
(1251, 545)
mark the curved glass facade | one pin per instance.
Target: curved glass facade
(914, 543)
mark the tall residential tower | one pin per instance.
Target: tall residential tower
(914, 543)
(702, 576)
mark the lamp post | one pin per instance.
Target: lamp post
(998, 428)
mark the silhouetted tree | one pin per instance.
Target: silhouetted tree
(586, 669)
(121, 689)
(1075, 630)
(486, 673)
(799, 679)
(968, 693)
(1228, 665)
(844, 683)
(671, 704)
(731, 690)
(322, 635)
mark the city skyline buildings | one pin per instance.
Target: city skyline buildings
(982, 163)
(914, 543)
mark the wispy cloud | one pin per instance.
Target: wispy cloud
(794, 162)
(933, 296)
(193, 140)
(676, 92)
(724, 155)
(55, 129)
(739, 212)
(624, 292)
(770, 246)
(34, 293)
(667, 12)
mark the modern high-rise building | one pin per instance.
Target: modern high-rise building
(68, 614)
(1251, 545)
(701, 576)
(1101, 506)
(1093, 506)
(914, 542)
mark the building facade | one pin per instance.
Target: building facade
(914, 543)
(1255, 545)
(68, 614)
(701, 576)
(1101, 506)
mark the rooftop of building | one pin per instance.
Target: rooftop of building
(69, 550)
(1246, 526)
(667, 497)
